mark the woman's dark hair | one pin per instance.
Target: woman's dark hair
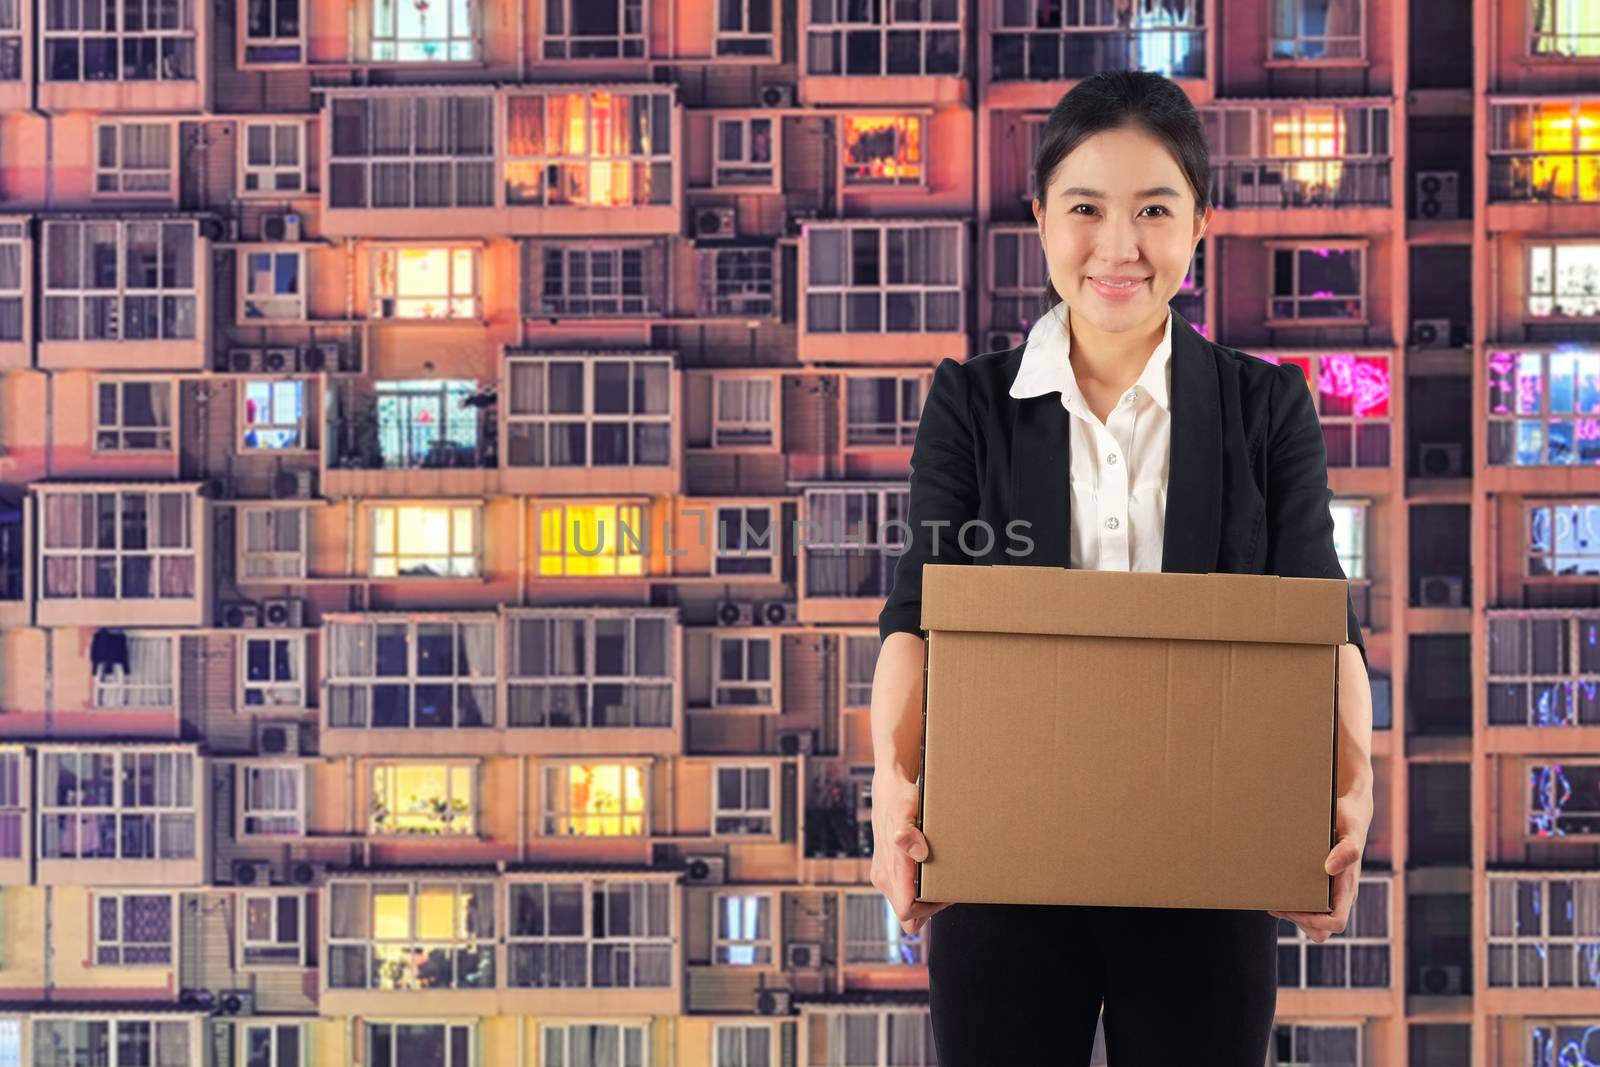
(1114, 99)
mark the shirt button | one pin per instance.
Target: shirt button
(1130, 398)
(1112, 523)
(1111, 457)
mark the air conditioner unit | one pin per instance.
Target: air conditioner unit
(278, 739)
(243, 360)
(304, 872)
(1440, 459)
(772, 1002)
(735, 613)
(320, 357)
(1439, 980)
(776, 95)
(287, 614)
(1438, 194)
(1442, 591)
(1430, 333)
(777, 613)
(794, 742)
(1003, 341)
(705, 870)
(234, 1002)
(292, 484)
(238, 615)
(283, 227)
(804, 955)
(714, 224)
(252, 872)
(280, 360)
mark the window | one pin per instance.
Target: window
(593, 280)
(589, 935)
(404, 935)
(403, 151)
(1555, 1040)
(272, 416)
(1316, 29)
(133, 158)
(1350, 538)
(589, 148)
(744, 28)
(11, 241)
(595, 800)
(411, 674)
(870, 1039)
(82, 41)
(744, 932)
(746, 151)
(856, 529)
(11, 42)
(873, 936)
(1307, 155)
(589, 411)
(270, 285)
(133, 416)
(274, 542)
(912, 38)
(870, 278)
(1544, 408)
(1544, 670)
(1566, 28)
(112, 1043)
(419, 1045)
(408, 32)
(743, 416)
(1316, 284)
(1358, 958)
(12, 809)
(623, 1045)
(424, 540)
(273, 34)
(1296, 1045)
(1043, 40)
(133, 929)
(745, 542)
(425, 283)
(1018, 275)
(11, 1042)
(1352, 397)
(117, 804)
(273, 929)
(428, 423)
(1542, 932)
(144, 681)
(861, 663)
(593, 29)
(274, 152)
(118, 545)
(575, 669)
(272, 800)
(1564, 281)
(1190, 299)
(119, 281)
(744, 672)
(883, 412)
(1542, 150)
(1562, 799)
(272, 1044)
(735, 281)
(1561, 541)
(743, 1045)
(592, 540)
(882, 150)
(742, 805)
(422, 799)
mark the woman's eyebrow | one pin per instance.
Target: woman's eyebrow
(1160, 190)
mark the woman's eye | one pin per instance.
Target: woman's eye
(1156, 207)
(1075, 207)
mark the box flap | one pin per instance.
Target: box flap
(1089, 603)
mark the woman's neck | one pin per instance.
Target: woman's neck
(1112, 360)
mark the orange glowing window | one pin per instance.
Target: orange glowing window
(1314, 139)
(589, 540)
(421, 799)
(589, 149)
(883, 150)
(425, 283)
(594, 800)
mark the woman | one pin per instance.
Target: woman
(1123, 440)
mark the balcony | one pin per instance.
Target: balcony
(1037, 46)
(151, 59)
(1544, 171)
(1302, 183)
(412, 438)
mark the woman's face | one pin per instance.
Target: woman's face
(1119, 228)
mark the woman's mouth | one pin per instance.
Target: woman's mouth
(1116, 288)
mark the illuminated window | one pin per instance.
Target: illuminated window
(1317, 283)
(883, 411)
(82, 41)
(594, 29)
(1544, 150)
(274, 542)
(107, 281)
(113, 545)
(746, 542)
(844, 37)
(145, 681)
(1352, 397)
(743, 413)
(883, 150)
(133, 416)
(1316, 29)
(400, 935)
(425, 283)
(744, 28)
(272, 416)
(1563, 540)
(592, 540)
(873, 278)
(11, 294)
(427, 423)
(273, 929)
(744, 933)
(1544, 669)
(1568, 28)
(273, 157)
(873, 934)
(744, 672)
(273, 1044)
(1564, 799)
(1350, 538)
(133, 158)
(594, 800)
(589, 411)
(432, 540)
(273, 33)
(270, 285)
(117, 804)
(1542, 930)
(1564, 281)
(399, 150)
(746, 152)
(133, 929)
(422, 799)
(411, 674)
(1299, 155)
(735, 281)
(409, 31)
(272, 672)
(1357, 958)
(1044, 40)
(1544, 408)
(742, 801)
(601, 934)
(586, 670)
(594, 148)
(272, 800)
(593, 279)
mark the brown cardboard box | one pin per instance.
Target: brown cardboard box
(1129, 738)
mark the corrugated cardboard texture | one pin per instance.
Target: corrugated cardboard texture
(1068, 759)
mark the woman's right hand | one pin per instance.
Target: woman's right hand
(898, 846)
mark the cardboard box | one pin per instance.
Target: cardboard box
(1129, 738)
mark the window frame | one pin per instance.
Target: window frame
(468, 151)
(120, 294)
(587, 164)
(16, 790)
(911, 945)
(633, 425)
(723, 948)
(478, 678)
(573, 294)
(16, 250)
(740, 292)
(247, 42)
(121, 431)
(883, 290)
(295, 302)
(267, 173)
(902, 427)
(119, 944)
(1362, 297)
(247, 943)
(123, 686)
(244, 811)
(625, 1026)
(744, 1030)
(747, 549)
(1295, 938)
(381, 778)
(1348, 364)
(1543, 941)
(1295, 1027)
(558, 42)
(1531, 816)
(297, 659)
(1297, 42)
(273, 1026)
(1507, 418)
(615, 523)
(385, 262)
(164, 37)
(447, 1025)
(719, 35)
(746, 121)
(745, 811)
(1553, 249)
(719, 684)
(113, 1022)
(1549, 511)
(836, 25)
(905, 146)
(1530, 41)
(397, 511)
(722, 423)
(118, 809)
(832, 1023)
(155, 552)
(636, 682)
(447, 44)
(119, 172)
(1014, 308)
(402, 950)
(1552, 695)
(558, 772)
(243, 427)
(598, 950)
(889, 503)
(246, 555)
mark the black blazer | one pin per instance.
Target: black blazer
(1247, 489)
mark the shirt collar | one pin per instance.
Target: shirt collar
(1046, 368)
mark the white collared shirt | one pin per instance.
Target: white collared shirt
(1118, 476)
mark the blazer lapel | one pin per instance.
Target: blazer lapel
(1041, 493)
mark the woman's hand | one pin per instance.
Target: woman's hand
(898, 846)
(1352, 818)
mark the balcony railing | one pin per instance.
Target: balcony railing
(438, 425)
(1057, 55)
(1307, 182)
(1545, 177)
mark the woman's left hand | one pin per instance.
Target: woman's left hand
(1352, 818)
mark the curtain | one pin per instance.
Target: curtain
(1344, 20)
(176, 834)
(352, 650)
(477, 650)
(172, 1044)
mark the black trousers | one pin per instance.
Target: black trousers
(1022, 985)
